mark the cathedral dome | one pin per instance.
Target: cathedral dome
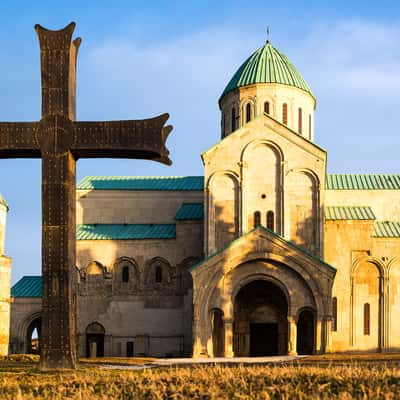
(267, 65)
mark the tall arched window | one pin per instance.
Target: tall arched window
(270, 220)
(158, 274)
(125, 274)
(284, 113)
(233, 119)
(300, 122)
(334, 314)
(248, 112)
(257, 219)
(266, 107)
(367, 316)
(309, 126)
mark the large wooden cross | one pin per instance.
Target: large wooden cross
(60, 141)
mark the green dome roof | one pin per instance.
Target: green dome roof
(267, 65)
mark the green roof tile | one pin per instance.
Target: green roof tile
(362, 182)
(177, 183)
(349, 213)
(125, 231)
(386, 229)
(267, 65)
(190, 211)
(28, 286)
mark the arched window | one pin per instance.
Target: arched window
(300, 122)
(257, 219)
(125, 274)
(284, 113)
(270, 220)
(266, 107)
(367, 321)
(309, 126)
(233, 119)
(158, 274)
(248, 112)
(334, 314)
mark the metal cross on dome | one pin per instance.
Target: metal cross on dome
(60, 141)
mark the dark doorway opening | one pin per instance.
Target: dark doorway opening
(217, 326)
(33, 336)
(305, 332)
(129, 349)
(263, 339)
(95, 340)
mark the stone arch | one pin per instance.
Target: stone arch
(26, 329)
(260, 105)
(222, 206)
(262, 186)
(152, 268)
(306, 330)
(185, 277)
(303, 216)
(119, 267)
(243, 103)
(95, 268)
(366, 288)
(95, 333)
(393, 303)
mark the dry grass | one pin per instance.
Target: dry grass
(377, 381)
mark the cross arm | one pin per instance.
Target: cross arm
(19, 139)
(123, 139)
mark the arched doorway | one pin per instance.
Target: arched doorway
(306, 332)
(217, 328)
(260, 320)
(95, 340)
(33, 336)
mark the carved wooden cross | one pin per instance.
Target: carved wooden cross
(59, 141)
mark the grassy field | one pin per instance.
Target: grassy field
(360, 379)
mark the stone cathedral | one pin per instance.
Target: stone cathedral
(265, 254)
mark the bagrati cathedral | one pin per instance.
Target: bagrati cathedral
(265, 254)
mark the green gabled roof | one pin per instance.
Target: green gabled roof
(267, 65)
(183, 183)
(125, 231)
(189, 211)
(386, 229)
(349, 213)
(28, 286)
(289, 242)
(362, 182)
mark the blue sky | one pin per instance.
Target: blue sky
(139, 59)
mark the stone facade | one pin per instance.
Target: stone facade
(270, 269)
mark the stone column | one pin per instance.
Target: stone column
(328, 335)
(318, 337)
(228, 325)
(199, 348)
(5, 289)
(292, 336)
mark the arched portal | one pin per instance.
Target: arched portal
(306, 332)
(260, 320)
(217, 328)
(33, 336)
(95, 340)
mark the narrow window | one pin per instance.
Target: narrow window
(334, 314)
(248, 112)
(300, 121)
(270, 220)
(158, 274)
(309, 126)
(284, 113)
(366, 319)
(125, 274)
(257, 219)
(266, 107)
(233, 119)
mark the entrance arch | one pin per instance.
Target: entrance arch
(260, 326)
(217, 329)
(306, 332)
(33, 336)
(95, 340)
